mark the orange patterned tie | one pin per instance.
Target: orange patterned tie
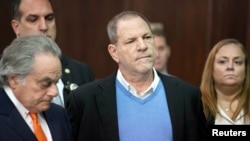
(37, 127)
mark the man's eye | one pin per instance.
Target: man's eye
(148, 37)
(31, 19)
(161, 49)
(130, 41)
(45, 84)
(50, 17)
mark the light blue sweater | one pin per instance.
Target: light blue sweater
(143, 119)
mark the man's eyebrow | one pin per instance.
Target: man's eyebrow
(45, 79)
(35, 15)
(50, 14)
(32, 15)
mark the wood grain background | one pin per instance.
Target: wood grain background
(192, 26)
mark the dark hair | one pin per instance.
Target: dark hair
(159, 32)
(15, 11)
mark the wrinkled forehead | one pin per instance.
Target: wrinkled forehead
(132, 26)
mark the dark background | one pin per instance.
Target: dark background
(192, 26)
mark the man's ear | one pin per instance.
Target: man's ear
(113, 52)
(13, 82)
(15, 27)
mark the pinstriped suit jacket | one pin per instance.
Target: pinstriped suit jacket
(14, 128)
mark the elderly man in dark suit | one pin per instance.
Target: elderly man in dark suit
(27, 88)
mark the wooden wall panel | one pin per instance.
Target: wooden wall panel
(185, 24)
(229, 20)
(82, 32)
(192, 26)
(6, 33)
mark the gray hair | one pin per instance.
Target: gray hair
(18, 57)
(112, 25)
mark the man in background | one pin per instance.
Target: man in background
(32, 17)
(162, 48)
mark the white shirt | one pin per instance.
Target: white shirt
(223, 119)
(59, 98)
(133, 91)
(25, 113)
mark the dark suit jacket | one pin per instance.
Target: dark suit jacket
(14, 128)
(74, 71)
(93, 112)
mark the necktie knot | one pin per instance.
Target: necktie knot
(37, 127)
(33, 116)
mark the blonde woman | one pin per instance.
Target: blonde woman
(225, 84)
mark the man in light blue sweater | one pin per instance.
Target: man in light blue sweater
(136, 103)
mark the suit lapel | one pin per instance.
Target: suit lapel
(16, 122)
(106, 101)
(49, 116)
(175, 103)
(13, 118)
(66, 77)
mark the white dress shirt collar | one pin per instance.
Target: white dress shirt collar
(133, 91)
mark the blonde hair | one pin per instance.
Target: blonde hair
(209, 96)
